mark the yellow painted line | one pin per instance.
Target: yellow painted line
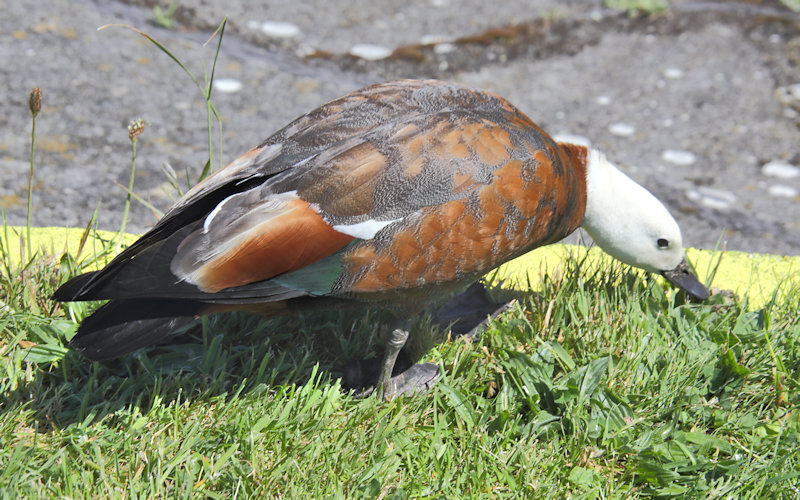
(752, 276)
(58, 240)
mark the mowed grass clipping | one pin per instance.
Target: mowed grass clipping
(603, 383)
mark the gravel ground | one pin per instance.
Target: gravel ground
(700, 103)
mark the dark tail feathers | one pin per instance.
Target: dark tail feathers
(123, 326)
(71, 290)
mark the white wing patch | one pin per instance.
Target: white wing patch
(210, 217)
(363, 230)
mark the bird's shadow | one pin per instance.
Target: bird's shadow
(234, 354)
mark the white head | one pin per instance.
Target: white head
(627, 221)
(631, 225)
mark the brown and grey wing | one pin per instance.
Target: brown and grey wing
(376, 161)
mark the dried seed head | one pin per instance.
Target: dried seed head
(135, 128)
(35, 101)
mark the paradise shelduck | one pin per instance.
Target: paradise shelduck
(393, 195)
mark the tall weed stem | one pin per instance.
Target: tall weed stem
(35, 106)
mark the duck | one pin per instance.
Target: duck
(394, 195)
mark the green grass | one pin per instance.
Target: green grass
(602, 386)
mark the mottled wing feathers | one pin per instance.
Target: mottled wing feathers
(395, 186)
(525, 205)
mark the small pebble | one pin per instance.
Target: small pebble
(227, 85)
(781, 169)
(370, 52)
(433, 39)
(621, 129)
(304, 50)
(573, 139)
(443, 48)
(678, 157)
(673, 73)
(603, 100)
(788, 94)
(279, 29)
(782, 191)
(712, 198)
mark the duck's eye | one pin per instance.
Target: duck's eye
(662, 243)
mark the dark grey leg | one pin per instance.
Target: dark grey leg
(397, 339)
(369, 375)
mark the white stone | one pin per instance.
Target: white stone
(227, 85)
(712, 198)
(678, 157)
(603, 100)
(279, 29)
(781, 169)
(370, 52)
(673, 73)
(621, 129)
(304, 50)
(788, 94)
(443, 48)
(432, 39)
(573, 139)
(779, 190)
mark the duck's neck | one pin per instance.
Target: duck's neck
(607, 188)
(614, 202)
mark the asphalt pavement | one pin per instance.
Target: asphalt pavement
(700, 103)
